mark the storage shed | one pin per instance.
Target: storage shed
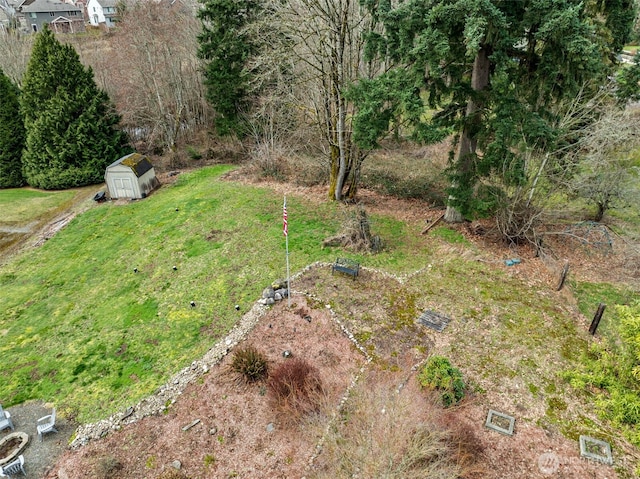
(132, 176)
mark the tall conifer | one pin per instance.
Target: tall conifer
(71, 124)
(226, 48)
(496, 73)
(11, 135)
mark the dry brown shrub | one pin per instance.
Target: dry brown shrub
(309, 171)
(295, 389)
(404, 170)
(518, 221)
(269, 161)
(250, 364)
(383, 431)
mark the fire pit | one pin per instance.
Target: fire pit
(11, 446)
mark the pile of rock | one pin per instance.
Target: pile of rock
(278, 290)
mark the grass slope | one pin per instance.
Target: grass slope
(82, 329)
(21, 206)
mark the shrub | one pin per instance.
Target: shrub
(250, 364)
(439, 374)
(309, 172)
(612, 370)
(193, 153)
(295, 387)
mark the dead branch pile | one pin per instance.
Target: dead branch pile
(356, 233)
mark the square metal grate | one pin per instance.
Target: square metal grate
(595, 449)
(434, 320)
(500, 422)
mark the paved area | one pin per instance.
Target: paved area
(38, 456)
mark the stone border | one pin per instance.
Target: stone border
(24, 440)
(495, 427)
(585, 441)
(168, 393)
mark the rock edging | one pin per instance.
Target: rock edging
(167, 394)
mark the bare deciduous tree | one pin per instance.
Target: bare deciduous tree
(15, 50)
(521, 209)
(10, 13)
(325, 46)
(156, 74)
(606, 176)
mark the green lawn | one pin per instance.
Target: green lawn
(21, 206)
(82, 329)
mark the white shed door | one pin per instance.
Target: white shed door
(124, 187)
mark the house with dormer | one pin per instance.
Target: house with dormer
(61, 17)
(102, 13)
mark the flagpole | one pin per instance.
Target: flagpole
(286, 240)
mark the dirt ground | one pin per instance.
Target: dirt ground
(220, 428)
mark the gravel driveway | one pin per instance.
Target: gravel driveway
(39, 456)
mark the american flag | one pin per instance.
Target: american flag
(285, 228)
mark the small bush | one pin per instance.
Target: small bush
(439, 374)
(295, 387)
(193, 153)
(250, 364)
(209, 460)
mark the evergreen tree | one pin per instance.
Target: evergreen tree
(494, 72)
(12, 136)
(70, 123)
(226, 47)
(628, 81)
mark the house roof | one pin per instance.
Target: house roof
(49, 6)
(140, 164)
(107, 3)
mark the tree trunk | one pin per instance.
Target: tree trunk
(468, 139)
(333, 174)
(600, 213)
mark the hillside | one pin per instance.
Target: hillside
(510, 332)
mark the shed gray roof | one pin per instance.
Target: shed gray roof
(140, 164)
(49, 6)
